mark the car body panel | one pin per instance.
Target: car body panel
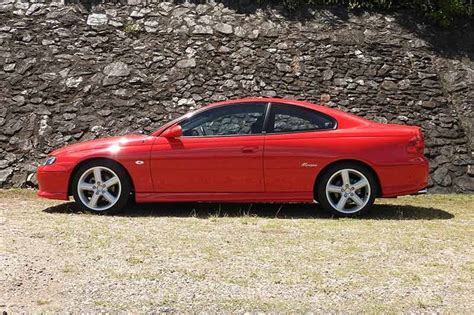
(303, 197)
(279, 167)
(208, 164)
(125, 150)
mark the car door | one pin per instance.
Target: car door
(295, 147)
(221, 150)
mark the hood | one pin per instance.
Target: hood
(110, 142)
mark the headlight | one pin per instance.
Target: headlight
(50, 160)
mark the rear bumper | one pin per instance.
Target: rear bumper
(52, 184)
(421, 192)
(408, 179)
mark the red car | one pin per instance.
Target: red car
(246, 150)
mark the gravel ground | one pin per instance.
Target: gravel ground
(411, 254)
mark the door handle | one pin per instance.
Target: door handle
(249, 149)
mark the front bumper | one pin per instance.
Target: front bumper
(53, 184)
(49, 195)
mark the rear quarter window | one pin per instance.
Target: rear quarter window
(293, 118)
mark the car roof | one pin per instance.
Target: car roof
(265, 100)
(274, 100)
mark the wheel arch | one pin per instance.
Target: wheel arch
(368, 166)
(78, 165)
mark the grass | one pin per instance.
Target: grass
(411, 254)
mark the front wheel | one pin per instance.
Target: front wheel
(101, 186)
(347, 189)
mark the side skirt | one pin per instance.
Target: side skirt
(298, 197)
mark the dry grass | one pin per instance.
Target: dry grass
(412, 254)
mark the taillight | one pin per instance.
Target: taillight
(416, 144)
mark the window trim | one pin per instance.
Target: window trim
(267, 120)
(262, 133)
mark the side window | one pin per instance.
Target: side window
(234, 119)
(292, 118)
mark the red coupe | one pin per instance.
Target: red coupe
(246, 150)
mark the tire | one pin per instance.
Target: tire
(110, 194)
(347, 189)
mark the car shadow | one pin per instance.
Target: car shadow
(264, 210)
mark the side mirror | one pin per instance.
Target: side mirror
(173, 132)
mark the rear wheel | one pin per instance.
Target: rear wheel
(347, 189)
(101, 187)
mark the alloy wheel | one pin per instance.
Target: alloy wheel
(99, 188)
(348, 191)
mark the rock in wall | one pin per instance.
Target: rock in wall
(68, 75)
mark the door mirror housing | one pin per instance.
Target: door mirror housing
(173, 132)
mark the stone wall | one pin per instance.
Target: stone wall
(68, 75)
